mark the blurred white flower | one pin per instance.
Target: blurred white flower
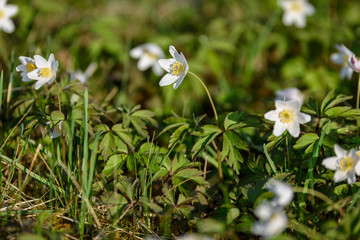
(74, 98)
(45, 72)
(354, 63)
(289, 94)
(296, 11)
(193, 236)
(27, 65)
(346, 164)
(283, 192)
(83, 76)
(57, 131)
(342, 58)
(6, 12)
(272, 220)
(148, 55)
(176, 67)
(287, 116)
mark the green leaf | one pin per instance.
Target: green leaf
(178, 134)
(57, 116)
(139, 126)
(232, 120)
(107, 145)
(336, 111)
(305, 140)
(101, 128)
(201, 144)
(190, 173)
(330, 96)
(113, 163)
(209, 129)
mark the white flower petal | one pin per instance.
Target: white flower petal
(340, 152)
(294, 105)
(166, 63)
(10, 10)
(331, 163)
(279, 128)
(157, 69)
(303, 118)
(351, 178)
(7, 25)
(145, 62)
(39, 84)
(41, 62)
(300, 20)
(280, 105)
(137, 52)
(272, 115)
(357, 169)
(287, 19)
(339, 176)
(179, 81)
(337, 58)
(168, 79)
(294, 129)
(264, 210)
(283, 192)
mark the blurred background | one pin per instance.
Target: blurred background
(241, 49)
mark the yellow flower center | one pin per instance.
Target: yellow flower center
(296, 6)
(346, 164)
(2, 14)
(45, 72)
(152, 55)
(177, 68)
(30, 67)
(286, 116)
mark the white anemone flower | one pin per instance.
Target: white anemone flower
(272, 220)
(176, 67)
(27, 65)
(6, 12)
(296, 11)
(354, 63)
(57, 131)
(193, 236)
(287, 116)
(45, 72)
(83, 76)
(342, 58)
(346, 164)
(148, 55)
(283, 192)
(289, 94)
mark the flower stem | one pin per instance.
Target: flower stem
(208, 93)
(217, 123)
(59, 100)
(357, 101)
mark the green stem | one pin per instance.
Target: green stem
(59, 100)
(208, 93)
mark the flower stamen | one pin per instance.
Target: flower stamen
(2, 14)
(296, 7)
(45, 72)
(30, 67)
(346, 164)
(177, 68)
(286, 116)
(152, 55)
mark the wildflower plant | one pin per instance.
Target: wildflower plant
(6, 12)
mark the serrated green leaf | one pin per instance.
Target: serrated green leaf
(330, 96)
(232, 119)
(336, 111)
(305, 140)
(101, 127)
(209, 129)
(339, 99)
(201, 144)
(178, 134)
(57, 116)
(236, 141)
(139, 126)
(107, 146)
(113, 163)
(190, 173)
